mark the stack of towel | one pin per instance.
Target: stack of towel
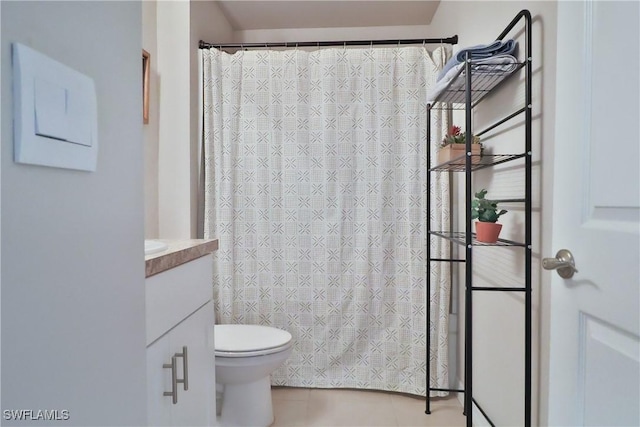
(495, 58)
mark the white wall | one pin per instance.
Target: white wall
(0, 221)
(174, 121)
(498, 317)
(151, 131)
(333, 33)
(73, 325)
(171, 32)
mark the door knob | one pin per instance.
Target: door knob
(563, 263)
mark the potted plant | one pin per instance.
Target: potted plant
(487, 214)
(453, 146)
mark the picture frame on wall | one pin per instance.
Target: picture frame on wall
(146, 65)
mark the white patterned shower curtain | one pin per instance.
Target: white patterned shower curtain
(315, 169)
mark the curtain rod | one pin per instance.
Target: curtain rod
(448, 40)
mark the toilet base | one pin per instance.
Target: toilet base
(247, 404)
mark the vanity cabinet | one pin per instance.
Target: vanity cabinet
(180, 318)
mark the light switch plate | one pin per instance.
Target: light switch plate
(50, 110)
(55, 113)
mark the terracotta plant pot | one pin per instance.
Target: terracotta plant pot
(487, 232)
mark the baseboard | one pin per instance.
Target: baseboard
(479, 420)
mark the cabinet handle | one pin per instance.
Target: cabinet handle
(185, 367)
(174, 379)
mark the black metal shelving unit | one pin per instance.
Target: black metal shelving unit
(466, 90)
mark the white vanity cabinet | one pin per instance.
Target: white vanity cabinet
(180, 318)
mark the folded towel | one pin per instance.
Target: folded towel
(507, 47)
(442, 83)
(497, 64)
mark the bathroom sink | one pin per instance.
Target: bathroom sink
(154, 246)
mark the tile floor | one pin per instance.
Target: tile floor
(338, 407)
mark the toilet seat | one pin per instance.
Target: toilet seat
(250, 340)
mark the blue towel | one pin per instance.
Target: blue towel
(493, 65)
(482, 51)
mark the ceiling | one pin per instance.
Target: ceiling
(268, 14)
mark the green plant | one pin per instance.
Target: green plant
(485, 210)
(455, 136)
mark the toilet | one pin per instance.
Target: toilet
(245, 357)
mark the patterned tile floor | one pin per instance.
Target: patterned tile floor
(337, 408)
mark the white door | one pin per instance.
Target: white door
(594, 361)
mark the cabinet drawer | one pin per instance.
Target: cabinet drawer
(173, 295)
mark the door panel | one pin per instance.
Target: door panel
(610, 57)
(603, 346)
(594, 370)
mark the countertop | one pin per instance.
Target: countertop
(179, 252)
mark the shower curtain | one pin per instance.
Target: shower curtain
(315, 186)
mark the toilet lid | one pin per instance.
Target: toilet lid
(248, 338)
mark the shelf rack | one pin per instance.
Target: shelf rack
(465, 91)
(484, 82)
(459, 164)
